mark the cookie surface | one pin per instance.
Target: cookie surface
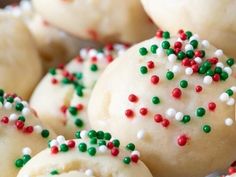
(175, 98)
(22, 134)
(20, 63)
(61, 98)
(105, 20)
(198, 16)
(92, 154)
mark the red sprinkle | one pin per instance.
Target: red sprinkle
(133, 98)
(19, 124)
(178, 45)
(109, 58)
(231, 170)
(198, 88)
(155, 79)
(150, 64)
(198, 53)
(158, 118)
(134, 158)
(129, 113)
(176, 93)
(63, 109)
(71, 144)
(54, 150)
(110, 145)
(54, 81)
(143, 111)
(80, 107)
(183, 36)
(182, 140)
(5, 120)
(114, 151)
(159, 34)
(216, 77)
(165, 123)
(211, 106)
(28, 129)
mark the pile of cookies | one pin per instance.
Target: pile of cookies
(118, 88)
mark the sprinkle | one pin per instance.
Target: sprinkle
(207, 80)
(211, 106)
(26, 151)
(198, 60)
(89, 172)
(7, 106)
(230, 102)
(205, 43)
(219, 53)
(170, 75)
(179, 116)
(198, 88)
(158, 118)
(230, 62)
(102, 149)
(129, 113)
(182, 140)
(133, 98)
(233, 88)
(143, 70)
(143, 111)
(224, 97)
(200, 112)
(83, 134)
(206, 128)
(228, 70)
(140, 134)
(172, 58)
(165, 123)
(188, 71)
(160, 52)
(229, 121)
(155, 100)
(143, 51)
(175, 69)
(183, 84)
(170, 112)
(188, 47)
(155, 79)
(38, 128)
(219, 64)
(176, 93)
(13, 117)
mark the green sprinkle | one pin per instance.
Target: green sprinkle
(52, 71)
(229, 92)
(102, 142)
(64, 148)
(45, 133)
(92, 134)
(186, 119)
(202, 70)
(190, 53)
(194, 43)
(116, 143)
(93, 141)
(200, 112)
(183, 84)
(107, 136)
(143, 69)
(19, 106)
(92, 151)
(170, 75)
(73, 110)
(181, 55)
(218, 70)
(189, 34)
(79, 91)
(210, 73)
(19, 163)
(65, 81)
(126, 160)
(166, 35)
(206, 128)
(230, 62)
(82, 147)
(154, 48)
(79, 75)
(26, 158)
(170, 51)
(79, 123)
(100, 135)
(94, 67)
(143, 51)
(21, 118)
(54, 172)
(224, 75)
(207, 65)
(130, 147)
(1, 92)
(10, 99)
(155, 100)
(77, 135)
(165, 45)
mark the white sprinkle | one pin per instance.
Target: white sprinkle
(92, 53)
(17, 99)
(89, 172)
(100, 56)
(188, 71)
(83, 134)
(13, 117)
(135, 153)
(188, 47)
(179, 116)
(176, 69)
(25, 111)
(198, 60)
(53, 143)
(102, 149)
(26, 151)
(233, 88)
(224, 97)
(207, 80)
(228, 70)
(172, 58)
(170, 112)
(194, 37)
(38, 128)
(229, 122)
(231, 102)
(205, 43)
(140, 134)
(219, 64)
(61, 139)
(160, 52)
(7, 105)
(219, 53)
(83, 53)
(25, 103)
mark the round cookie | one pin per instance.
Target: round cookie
(105, 20)
(20, 63)
(54, 45)
(175, 98)
(91, 154)
(61, 98)
(22, 134)
(198, 16)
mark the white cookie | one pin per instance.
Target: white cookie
(180, 119)
(54, 45)
(20, 63)
(22, 134)
(62, 96)
(104, 20)
(210, 19)
(92, 154)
